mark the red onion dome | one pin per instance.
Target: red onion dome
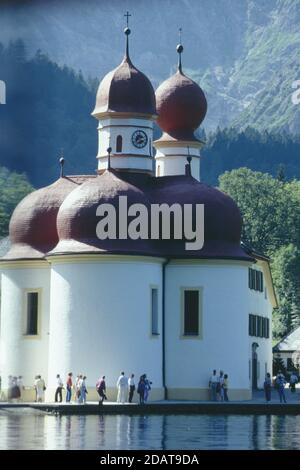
(181, 105)
(222, 218)
(125, 90)
(32, 228)
(77, 217)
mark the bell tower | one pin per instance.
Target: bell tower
(125, 110)
(181, 107)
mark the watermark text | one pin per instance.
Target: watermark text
(2, 92)
(156, 221)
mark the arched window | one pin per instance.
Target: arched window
(119, 143)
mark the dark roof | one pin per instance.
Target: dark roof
(32, 228)
(61, 218)
(77, 220)
(125, 90)
(291, 342)
(253, 252)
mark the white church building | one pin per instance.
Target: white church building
(73, 302)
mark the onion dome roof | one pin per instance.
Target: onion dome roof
(125, 90)
(77, 219)
(222, 218)
(32, 228)
(181, 105)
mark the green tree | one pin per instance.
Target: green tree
(271, 223)
(285, 267)
(270, 208)
(13, 188)
(49, 108)
(278, 365)
(228, 149)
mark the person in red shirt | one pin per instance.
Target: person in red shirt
(69, 387)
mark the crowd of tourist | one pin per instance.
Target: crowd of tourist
(279, 383)
(218, 385)
(76, 389)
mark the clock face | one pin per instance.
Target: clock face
(139, 139)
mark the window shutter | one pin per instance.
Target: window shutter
(191, 312)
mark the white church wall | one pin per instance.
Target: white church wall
(101, 321)
(126, 163)
(21, 354)
(259, 304)
(223, 343)
(110, 129)
(170, 161)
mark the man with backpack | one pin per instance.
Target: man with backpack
(293, 381)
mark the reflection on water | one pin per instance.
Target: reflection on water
(30, 429)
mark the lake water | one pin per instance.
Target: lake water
(30, 429)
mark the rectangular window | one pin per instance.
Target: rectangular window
(256, 325)
(250, 327)
(255, 280)
(259, 326)
(251, 278)
(261, 282)
(191, 313)
(154, 311)
(32, 313)
(263, 329)
(267, 328)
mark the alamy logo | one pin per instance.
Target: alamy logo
(2, 92)
(296, 94)
(160, 222)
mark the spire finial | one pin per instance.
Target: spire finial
(127, 32)
(127, 17)
(179, 49)
(62, 162)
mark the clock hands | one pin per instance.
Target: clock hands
(139, 139)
